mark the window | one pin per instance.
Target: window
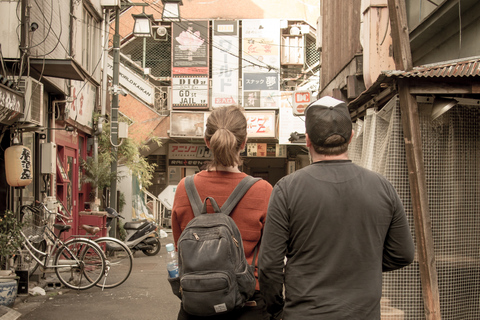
(90, 41)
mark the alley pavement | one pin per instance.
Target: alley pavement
(145, 295)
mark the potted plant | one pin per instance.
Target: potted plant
(10, 242)
(98, 174)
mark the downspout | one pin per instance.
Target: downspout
(103, 102)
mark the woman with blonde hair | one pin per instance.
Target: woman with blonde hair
(226, 136)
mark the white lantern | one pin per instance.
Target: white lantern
(18, 166)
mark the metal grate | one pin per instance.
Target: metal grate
(451, 147)
(312, 55)
(157, 55)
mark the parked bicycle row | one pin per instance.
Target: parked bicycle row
(83, 261)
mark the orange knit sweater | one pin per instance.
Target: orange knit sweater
(249, 214)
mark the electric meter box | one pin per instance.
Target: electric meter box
(49, 158)
(123, 130)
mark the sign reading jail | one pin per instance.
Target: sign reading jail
(190, 92)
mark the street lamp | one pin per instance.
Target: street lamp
(143, 24)
(171, 10)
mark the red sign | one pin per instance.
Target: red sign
(301, 99)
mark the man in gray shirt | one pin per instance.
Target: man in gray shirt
(339, 226)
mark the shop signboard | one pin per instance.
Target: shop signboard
(190, 62)
(189, 92)
(187, 124)
(81, 108)
(261, 124)
(11, 105)
(301, 99)
(225, 51)
(261, 63)
(264, 150)
(188, 151)
(131, 81)
(289, 123)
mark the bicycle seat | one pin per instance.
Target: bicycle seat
(62, 227)
(91, 229)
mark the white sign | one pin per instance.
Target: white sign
(288, 122)
(83, 104)
(190, 92)
(261, 124)
(225, 63)
(133, 83)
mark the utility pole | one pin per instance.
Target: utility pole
(114, 109)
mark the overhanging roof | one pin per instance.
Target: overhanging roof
(447, 71)
(59, 68)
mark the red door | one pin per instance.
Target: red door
(70, 198)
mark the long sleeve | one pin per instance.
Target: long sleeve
(272, 252)
(398, 249)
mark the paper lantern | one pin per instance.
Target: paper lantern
(18, 166)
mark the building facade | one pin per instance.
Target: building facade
(409, 71)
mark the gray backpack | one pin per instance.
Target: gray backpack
(214, 276)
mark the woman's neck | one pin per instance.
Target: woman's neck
(222, 168)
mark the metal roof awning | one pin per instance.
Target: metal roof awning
(59, 68)
(452, 71)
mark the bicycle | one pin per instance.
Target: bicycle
(78, 263)
(119, 259)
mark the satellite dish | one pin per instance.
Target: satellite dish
(161, 31)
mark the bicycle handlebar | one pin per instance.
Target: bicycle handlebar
(58, 215)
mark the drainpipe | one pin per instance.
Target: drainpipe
(103, 101)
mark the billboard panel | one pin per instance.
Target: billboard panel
(225, 63)
(261, 63)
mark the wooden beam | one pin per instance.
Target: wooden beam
(418, 191)
(424, 87)
(400, 37)
(416, 171)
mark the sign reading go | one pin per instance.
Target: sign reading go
(301, 99)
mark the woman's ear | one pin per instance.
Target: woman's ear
(242, 146)
(207, 142)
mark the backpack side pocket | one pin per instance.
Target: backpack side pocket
(175, 284)
(246, 282)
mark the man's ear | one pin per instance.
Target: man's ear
(307, 140)
(351, 136)
(207, 142)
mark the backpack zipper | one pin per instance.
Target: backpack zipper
(236, 242)
(196, 236)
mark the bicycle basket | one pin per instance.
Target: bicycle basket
(34, 223)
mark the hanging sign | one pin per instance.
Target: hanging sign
(301, 99)
(18, 166)
(11, 105)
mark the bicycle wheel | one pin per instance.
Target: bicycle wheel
(119, 261)
(80, 264)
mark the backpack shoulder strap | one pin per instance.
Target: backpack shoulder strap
(238, 193)
(193, 196)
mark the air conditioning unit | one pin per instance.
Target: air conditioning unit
(33, 106)
(160, 33)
